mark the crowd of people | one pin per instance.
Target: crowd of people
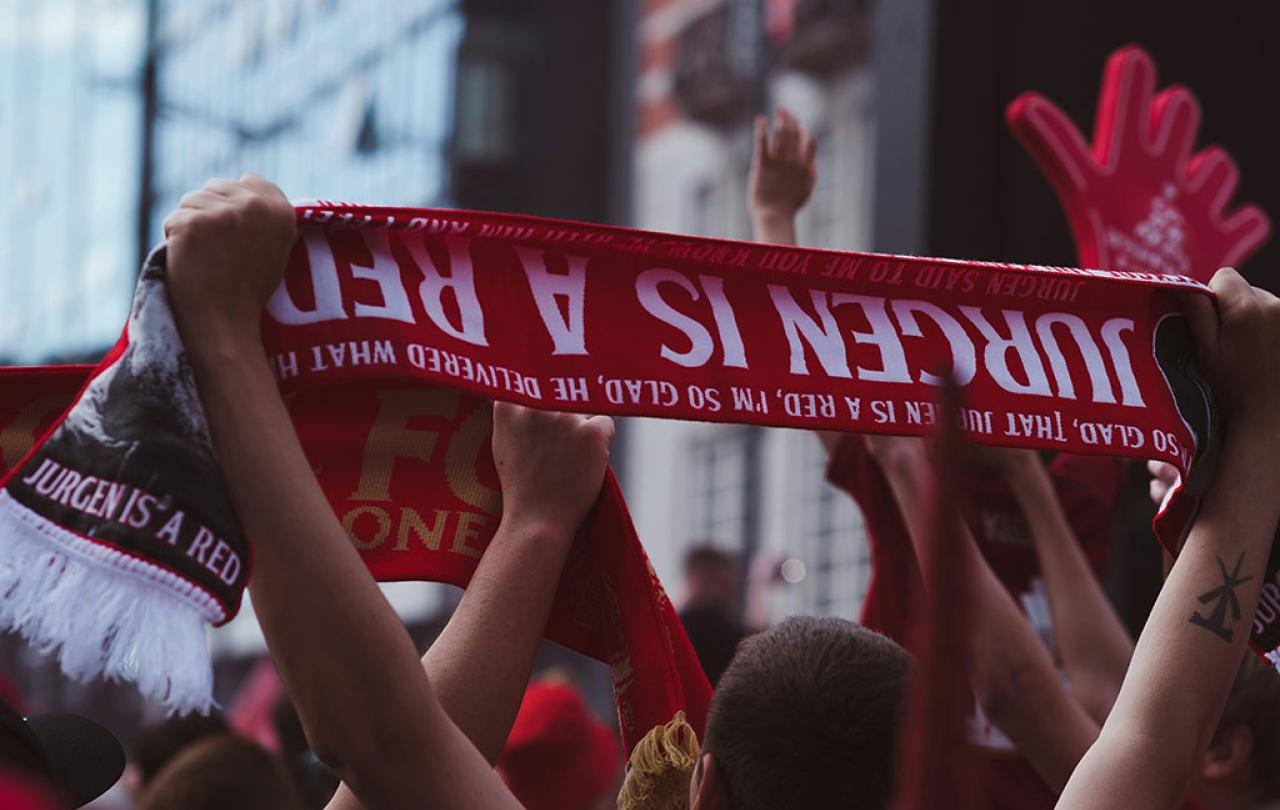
(1064, 707)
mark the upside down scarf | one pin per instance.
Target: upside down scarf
(117, 542)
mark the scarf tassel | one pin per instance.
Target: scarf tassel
(102, 612)
(661, 767)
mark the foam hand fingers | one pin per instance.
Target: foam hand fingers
(1247, 229)
(1213, 175)
(1124, 108)
(1175, 123)
(1052, 139)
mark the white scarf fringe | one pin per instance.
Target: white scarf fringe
(105, 613)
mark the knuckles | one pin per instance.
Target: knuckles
(203, 214)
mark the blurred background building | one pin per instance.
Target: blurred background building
(70, 134)
(110, 110)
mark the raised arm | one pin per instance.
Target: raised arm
(550, 467)
(783, 172)
(1011, 672)
(350, 667)
(1093, 644)
(1191, 646)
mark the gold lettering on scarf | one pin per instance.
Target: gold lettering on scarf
(17, 437)
(391, 437)
(379, 537)
(462, 458)
(370, 526)
(470, 526)
(412, 523)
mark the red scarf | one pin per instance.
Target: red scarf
(394, 325)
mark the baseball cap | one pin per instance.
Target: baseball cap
(71, 753)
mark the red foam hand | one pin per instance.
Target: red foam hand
(1138, 199)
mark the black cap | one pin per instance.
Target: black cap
(72, 753)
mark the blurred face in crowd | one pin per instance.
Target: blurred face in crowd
(712, 580)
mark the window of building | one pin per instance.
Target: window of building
(826, 534)
(715, 502)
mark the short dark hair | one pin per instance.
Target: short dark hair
(158, 744)
(1254, 703)
(706, 555)
(807, 715)
(222, 771)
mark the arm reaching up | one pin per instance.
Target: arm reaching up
(1010, 671)
(1094, 646)
(350, 667)
(1191, 647)
(550, 467)
(783, 173)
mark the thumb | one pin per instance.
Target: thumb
(1202, 316)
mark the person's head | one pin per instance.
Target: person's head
(73, 755)
(158, 744)
(806, 715)
(559, 756)
(315, 782)
(711, 578)
(1241, 760)
(222, 771)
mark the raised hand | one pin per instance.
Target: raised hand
(228, 246)
(1138, 199)
(550, 465)
(783, 172)
(1236, 336)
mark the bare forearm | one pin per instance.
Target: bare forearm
(1192, 644)
(481, 663)
(1225, 554)
(300, 557)
(1094, 645)
(1011, 672)
(347, 661)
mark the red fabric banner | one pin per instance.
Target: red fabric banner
(393, 327)
(608, 320)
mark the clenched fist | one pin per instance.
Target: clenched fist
(228, 245)
(550, 465)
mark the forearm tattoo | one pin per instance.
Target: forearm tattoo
(1224, 601)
